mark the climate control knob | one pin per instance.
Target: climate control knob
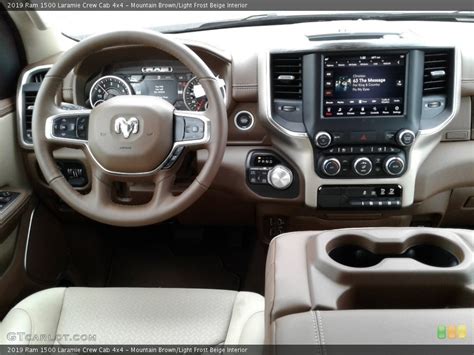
(331, 166)
(323, 139)
(362, 166)
(394, 165)
(280, 177)
(405, 137)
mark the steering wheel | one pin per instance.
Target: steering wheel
(129, 138)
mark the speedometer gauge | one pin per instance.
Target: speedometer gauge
(107, 87)
(194, 96)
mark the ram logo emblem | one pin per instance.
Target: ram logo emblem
(126, 127)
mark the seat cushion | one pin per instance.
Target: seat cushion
(136, 316)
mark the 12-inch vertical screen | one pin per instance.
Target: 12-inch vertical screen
(363, 85)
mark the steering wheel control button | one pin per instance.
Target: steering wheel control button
(394, 165)
(193, 129)
(82, 126)
(6, 198)
(362, 166)
(74, 172)
(323, 140)
(173, 158)
(331, 166)
(405, 137)
(70, 127)
(244, 120)
(280, 177)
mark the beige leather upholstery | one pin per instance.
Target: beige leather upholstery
(136, 316)
(377, 327)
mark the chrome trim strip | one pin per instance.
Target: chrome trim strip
(30, 224)
(26, 76)
(247, 128)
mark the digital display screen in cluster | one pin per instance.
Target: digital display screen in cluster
(363, 85)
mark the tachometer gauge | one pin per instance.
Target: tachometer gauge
(107, 87)
(194, 96)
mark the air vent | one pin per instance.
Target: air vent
(353, 36)
(31, 83)
(436, 73)
(38, 77)
(287, 76)
(29, 104)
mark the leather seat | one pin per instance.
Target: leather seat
(135, 316)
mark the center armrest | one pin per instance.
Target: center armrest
(322, 277)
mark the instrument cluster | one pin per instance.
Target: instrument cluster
(169, 81)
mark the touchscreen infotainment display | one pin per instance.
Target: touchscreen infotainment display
(363, 85)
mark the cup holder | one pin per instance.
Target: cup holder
(359, 257)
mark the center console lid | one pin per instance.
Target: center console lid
(377, 276)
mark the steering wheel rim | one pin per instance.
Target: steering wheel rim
(98, 203)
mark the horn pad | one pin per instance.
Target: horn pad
(131, 134)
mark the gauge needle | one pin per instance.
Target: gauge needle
(199, 104)
(198, 91)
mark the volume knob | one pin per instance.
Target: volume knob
(280, 177)
(323, 139)
(405, 137)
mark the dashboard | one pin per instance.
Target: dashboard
(334, 124)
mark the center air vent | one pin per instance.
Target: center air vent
(436, 73)
(30, 86)
(287, 75)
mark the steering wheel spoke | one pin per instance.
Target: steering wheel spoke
(192, 129)
(68, 128)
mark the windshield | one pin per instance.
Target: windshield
(80, 24)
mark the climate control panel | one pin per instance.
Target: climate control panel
(337, 156)
(373, 161)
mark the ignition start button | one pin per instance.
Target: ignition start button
(244, 120)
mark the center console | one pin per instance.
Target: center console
(368, 286)
(368, 112)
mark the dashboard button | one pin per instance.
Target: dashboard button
(331, 166)
(244, 120)
(405, 137)
(322, 139)
(363, 137)
(394, 165)
(362, 166)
